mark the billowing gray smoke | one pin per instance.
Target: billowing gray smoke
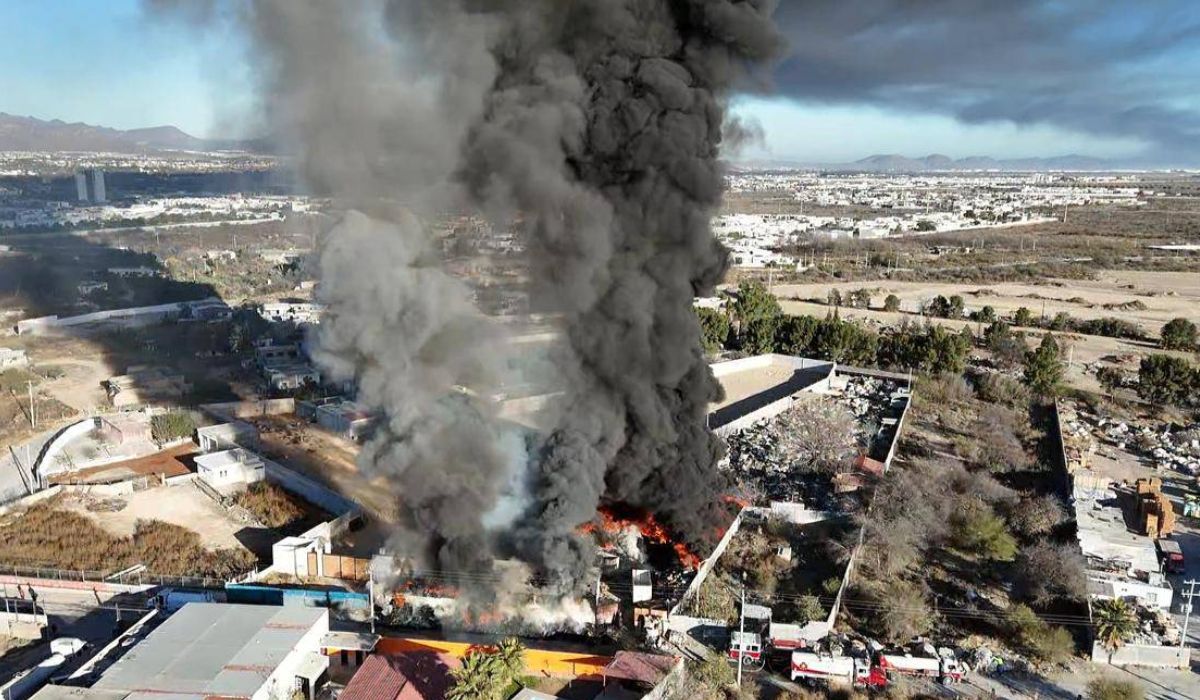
(595, 124)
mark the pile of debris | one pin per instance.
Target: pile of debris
(1179, 450)
(758, 459)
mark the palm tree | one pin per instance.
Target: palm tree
(510, 657)
(1115, 621)
(476, 679)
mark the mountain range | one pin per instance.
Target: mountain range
(32, 134)
(892, 163)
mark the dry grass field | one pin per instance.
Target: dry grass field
(63, 534)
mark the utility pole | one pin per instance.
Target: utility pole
(32, 406)
(1187, 610)
(371, 598)
(742, 635)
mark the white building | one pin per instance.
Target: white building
(295, 312)
(230, 471)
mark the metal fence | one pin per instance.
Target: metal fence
(138, 578)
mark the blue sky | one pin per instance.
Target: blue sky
(960, 77)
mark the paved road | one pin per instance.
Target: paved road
(86, 615)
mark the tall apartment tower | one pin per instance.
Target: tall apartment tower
(98, 193)
(81, 192)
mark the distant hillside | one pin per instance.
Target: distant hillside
(892, 163)
(30, 134)
(895, 163)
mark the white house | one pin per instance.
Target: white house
(230, 471)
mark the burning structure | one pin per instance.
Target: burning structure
(594, 127)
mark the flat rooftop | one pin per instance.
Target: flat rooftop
(754, 382)
(212, 649)
(1104, 534)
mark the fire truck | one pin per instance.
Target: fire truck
(746, 648)
(944, 666)
(853, 670)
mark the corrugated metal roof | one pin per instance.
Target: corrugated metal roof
(210, 649)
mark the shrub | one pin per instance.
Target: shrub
(166, 427)
(1045, 572)
(1002, 390)
(899, 610)
(1113, 689)
(1041, 641)
(975, 528)
(1034, 516)
(891, 303)
(1179, 334)
(1163, 379)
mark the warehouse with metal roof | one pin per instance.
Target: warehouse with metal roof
(236, 652)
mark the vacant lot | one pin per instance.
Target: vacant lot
(65, 534)
(182, 505)
(276, 508)
(1148, 299)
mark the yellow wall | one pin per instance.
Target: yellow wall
(562, 664)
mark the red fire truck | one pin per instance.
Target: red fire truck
(822, 668)
(944, 667)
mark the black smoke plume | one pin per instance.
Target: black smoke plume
(595, 124)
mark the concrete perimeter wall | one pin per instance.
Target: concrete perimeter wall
(232, 410)
(1143, 655)
(310, 490)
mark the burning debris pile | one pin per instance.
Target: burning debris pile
(594, 126)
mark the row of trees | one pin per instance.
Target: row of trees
(756, 324)
(1178, 334)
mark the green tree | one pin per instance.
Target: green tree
(1044, 368)
(891, 303)
(757, 313)
(1023, 317)
(758, 335)
(753, 301)
(939, 306)
(1115, 622)
(1179, 334)
(478, 678)
(1061, 321)
(986, 315)
(714, 329)
(860, 298)
(795, 335)
(1165, 380)
(1110, 378)
(975, 528)
(954, 307)
(510, 660)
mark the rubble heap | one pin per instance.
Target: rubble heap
(759, 458)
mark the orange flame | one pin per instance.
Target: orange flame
(735, 500)
(615, 519)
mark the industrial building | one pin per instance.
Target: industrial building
(345, 418)
(234, 652)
